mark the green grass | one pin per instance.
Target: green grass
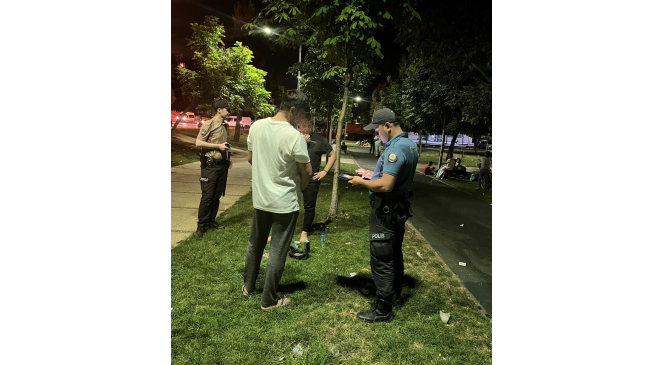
(213, 323)
(182, 154)
(468, 159)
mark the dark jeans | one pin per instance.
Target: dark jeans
(213, 187)
(282, 226)
(309, 195)
(372, 149)
(386, 232)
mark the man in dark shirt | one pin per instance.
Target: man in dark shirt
(317, 146)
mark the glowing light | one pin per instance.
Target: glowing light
(267, 30)
(357, 98)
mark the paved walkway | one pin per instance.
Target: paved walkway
(186, 192)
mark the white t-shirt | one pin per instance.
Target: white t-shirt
(276, 148)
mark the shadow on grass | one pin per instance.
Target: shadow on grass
(290, 288)
(364, 284)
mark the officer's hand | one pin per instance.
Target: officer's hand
(319, 175)
(230, 165)
(223, 147)
(355, 180)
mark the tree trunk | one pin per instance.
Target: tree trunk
(238, 129)
(450, 150)
(177, 121)
(420, 144)
(332, 214)
(329, 123)
(442, 145)
(475, 140)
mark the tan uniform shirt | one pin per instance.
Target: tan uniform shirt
(486, 162)
(213, 132)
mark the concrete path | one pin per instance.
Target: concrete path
(186, 193)
(457, 225)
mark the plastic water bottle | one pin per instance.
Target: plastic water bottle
(322, 239)
(297, 245)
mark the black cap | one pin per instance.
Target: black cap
(222, 104)
(381, 116)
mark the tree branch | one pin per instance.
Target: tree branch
(482, 72)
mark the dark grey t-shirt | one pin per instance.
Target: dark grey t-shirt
(317, 147)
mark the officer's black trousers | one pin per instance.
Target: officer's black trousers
(386, 231)
(213, 186)
(309, 195)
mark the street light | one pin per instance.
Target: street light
(357, 98)
(299, 59)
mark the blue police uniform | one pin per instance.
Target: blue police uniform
(387, 222)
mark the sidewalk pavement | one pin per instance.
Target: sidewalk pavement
(186, 192)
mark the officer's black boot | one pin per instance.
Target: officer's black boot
(397, 302)
(381, 312)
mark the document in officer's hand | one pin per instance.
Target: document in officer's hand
(345, 177)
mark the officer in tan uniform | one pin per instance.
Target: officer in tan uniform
(215, 163)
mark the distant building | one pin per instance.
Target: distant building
(435, 140)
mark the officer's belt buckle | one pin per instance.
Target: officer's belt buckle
(386, 209)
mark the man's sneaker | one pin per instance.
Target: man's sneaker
(200, 232)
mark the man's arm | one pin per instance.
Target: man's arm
(249, 158)
(331, 157)
(305, 174)
(383, 185)
(221, 147)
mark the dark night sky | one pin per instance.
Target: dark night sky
(270, 57)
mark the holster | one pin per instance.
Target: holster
(398, 207)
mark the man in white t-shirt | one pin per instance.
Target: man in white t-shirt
(279, 169)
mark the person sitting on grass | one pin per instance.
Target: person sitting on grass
(460, 170)
(429, 169)
(447, 169)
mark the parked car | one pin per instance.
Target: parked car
(482, 144)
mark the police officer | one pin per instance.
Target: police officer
(215, 162)
(389, 190)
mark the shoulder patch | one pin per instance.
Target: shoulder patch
(392, 157)
(203, 131)
(413, 149)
